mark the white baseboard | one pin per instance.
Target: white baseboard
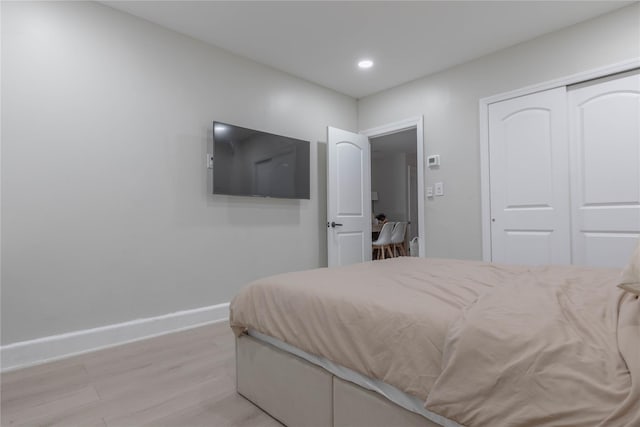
(41, 350)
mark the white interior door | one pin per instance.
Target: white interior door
(605, 162)
(529, 179)
(348, 197)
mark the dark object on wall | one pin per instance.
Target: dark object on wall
(249, 162)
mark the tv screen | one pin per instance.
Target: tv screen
(249, 162)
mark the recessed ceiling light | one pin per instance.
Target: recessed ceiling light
(365, 63)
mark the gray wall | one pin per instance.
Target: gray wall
(449, 103)
(107, 214)
(106, 120)
(389, 180)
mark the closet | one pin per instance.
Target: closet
(564, 174)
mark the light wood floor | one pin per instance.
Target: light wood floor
(181, 379)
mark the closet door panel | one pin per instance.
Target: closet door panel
(602, 249)
(528, 157)
(527, 247)
(605, 170)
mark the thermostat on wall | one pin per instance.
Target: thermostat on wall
(433, 161)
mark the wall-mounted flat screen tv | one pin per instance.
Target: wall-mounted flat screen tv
(249, 162)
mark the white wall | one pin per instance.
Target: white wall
(449, 103)
(389, 180)
(412, 162)
(107, 214)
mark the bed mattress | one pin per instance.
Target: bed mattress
(384, 319)
(480, 344)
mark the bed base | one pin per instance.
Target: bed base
(298, 393)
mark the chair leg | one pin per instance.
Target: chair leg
(401, 249)
(391, 255)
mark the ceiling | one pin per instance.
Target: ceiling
(322, 41)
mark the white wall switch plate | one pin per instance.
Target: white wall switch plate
(209, 161)
(439, 187)
(430, 191)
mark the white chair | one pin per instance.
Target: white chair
(397, 238)
(384, 242)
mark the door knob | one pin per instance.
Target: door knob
(335, 224)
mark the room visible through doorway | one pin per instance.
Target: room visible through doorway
(394, 179)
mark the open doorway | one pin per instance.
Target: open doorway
(394, 179)
(349, 201)
(404, 137)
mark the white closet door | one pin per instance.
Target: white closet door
(605, 163)
(529, 178)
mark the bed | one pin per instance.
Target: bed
(435, 342)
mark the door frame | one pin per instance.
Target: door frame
(485, 188)
(405, 124)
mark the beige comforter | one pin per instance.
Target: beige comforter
(558, 346)
(479, 342)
